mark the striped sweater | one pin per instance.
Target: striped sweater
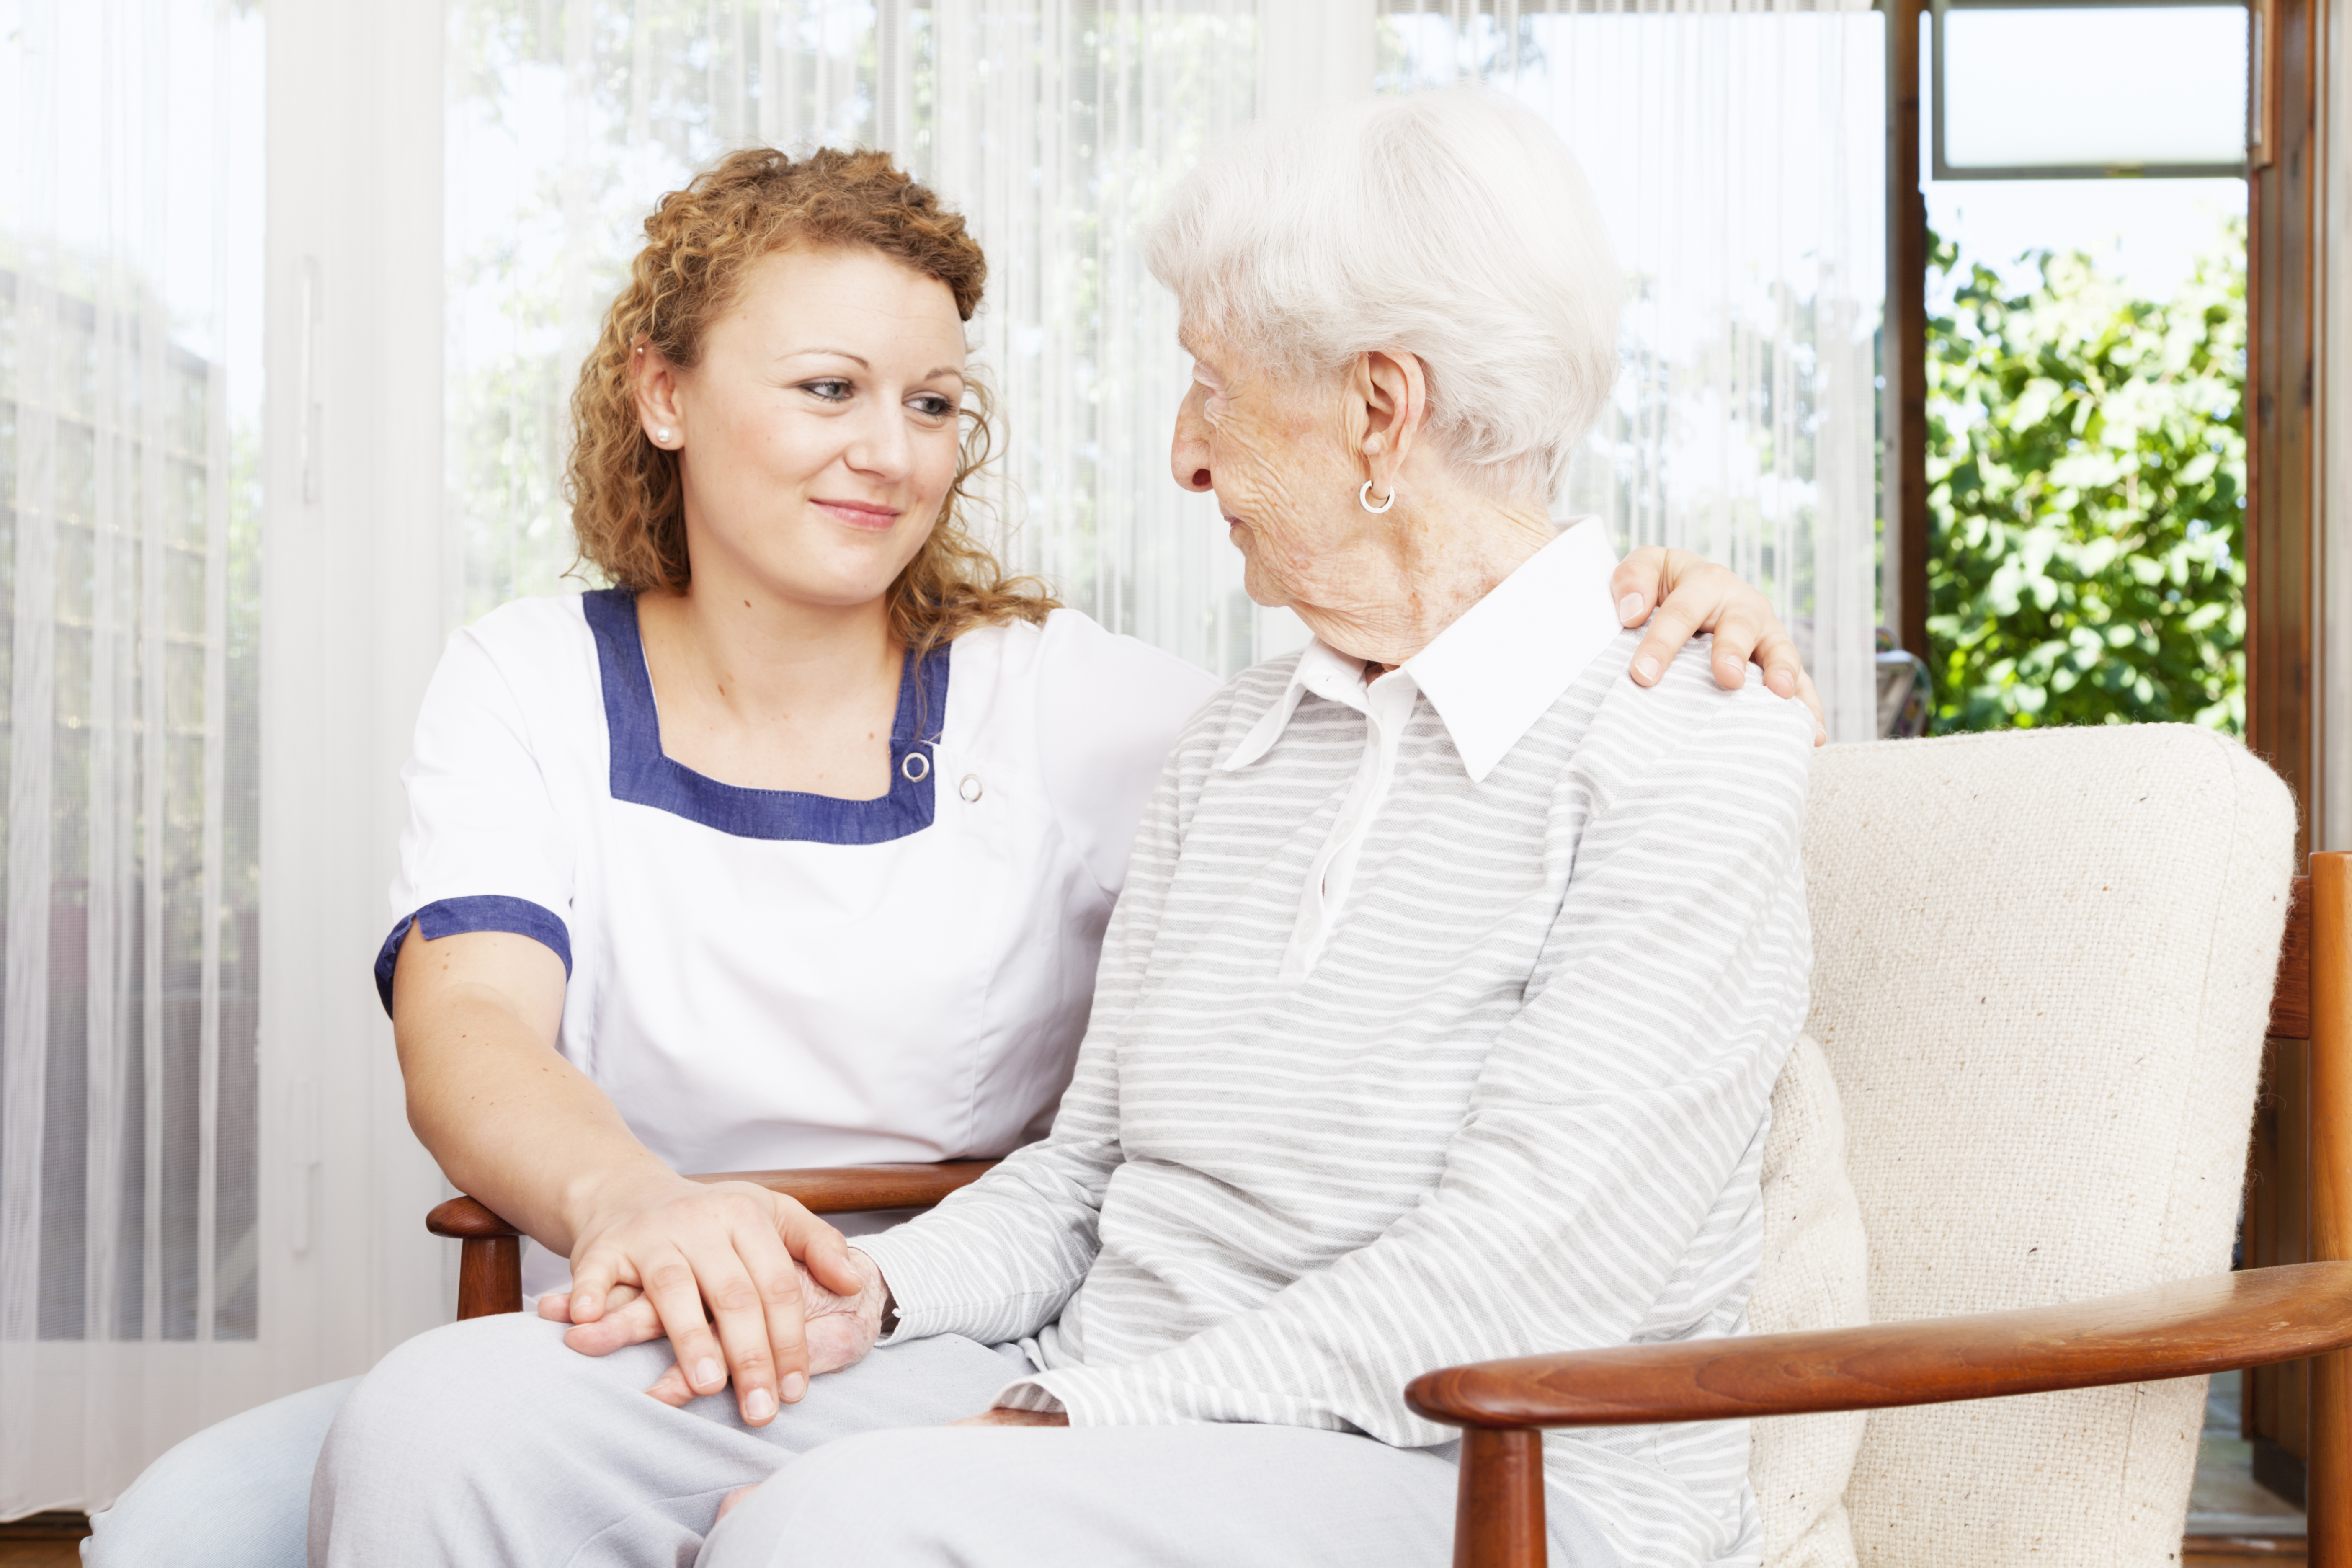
(1516, 1104)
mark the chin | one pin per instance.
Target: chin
(1262, 592)
(843, 597)
(837, 584)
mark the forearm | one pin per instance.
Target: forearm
(510, 1122)
(999, 1259)
(1506, 1257)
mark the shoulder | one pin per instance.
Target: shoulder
(1071, 646)
(529, 630)
(1746, 740)
(528, 653)
(526, 639)
(1092, 711)
(1086, 686)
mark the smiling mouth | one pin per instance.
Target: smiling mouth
(858, 514)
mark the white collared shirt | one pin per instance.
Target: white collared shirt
(1513, 1106)
(1489, 676)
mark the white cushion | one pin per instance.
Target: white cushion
(1815, 1276)
(2041, 973)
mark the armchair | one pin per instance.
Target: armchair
(2044, 972)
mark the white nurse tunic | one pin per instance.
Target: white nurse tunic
(762, 978)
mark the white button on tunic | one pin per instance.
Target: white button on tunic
(763, 978)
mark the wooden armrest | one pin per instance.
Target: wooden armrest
(2181, 1330)
(489, 1273)
(823, 1189)
(843, 1189)
(467, 1219)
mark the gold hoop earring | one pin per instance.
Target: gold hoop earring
(1364, 499)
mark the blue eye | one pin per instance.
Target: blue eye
(832, 389)
(936, 407)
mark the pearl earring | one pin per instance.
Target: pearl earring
(661, 436)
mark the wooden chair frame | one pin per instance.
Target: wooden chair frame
(490, 1264)
(2187, 1329)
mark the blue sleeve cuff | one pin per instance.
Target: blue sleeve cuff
(486, 911)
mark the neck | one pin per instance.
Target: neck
(763, 659)
(1442, 550)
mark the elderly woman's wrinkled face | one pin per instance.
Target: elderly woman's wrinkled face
(1278, 455)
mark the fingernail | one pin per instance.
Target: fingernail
(1628, 608)
(707, 1373)
(794, 1387)
(1820, 736)
(1780, 682)
(759, 1405)
(1646, 668)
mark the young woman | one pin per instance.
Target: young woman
(794, 846)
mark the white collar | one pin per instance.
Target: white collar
(1497, 669)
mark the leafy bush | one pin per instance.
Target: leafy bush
(2086, 491)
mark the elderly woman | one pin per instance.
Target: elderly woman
(1438, 1019)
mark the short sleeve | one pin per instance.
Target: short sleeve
(483, 849)
(1109, 707)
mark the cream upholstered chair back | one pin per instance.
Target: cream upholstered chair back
(2042, 970)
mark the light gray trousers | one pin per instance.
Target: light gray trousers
(491, 1442)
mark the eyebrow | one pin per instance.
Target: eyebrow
(863, 363)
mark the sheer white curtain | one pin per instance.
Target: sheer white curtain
(130, 181)
(1737, 152)
(1054, 126)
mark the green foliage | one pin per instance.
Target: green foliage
(2086, 476)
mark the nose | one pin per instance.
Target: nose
(881, 445)
(1188, 453)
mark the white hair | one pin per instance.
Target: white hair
(1454, 226)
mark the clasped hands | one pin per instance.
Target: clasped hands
(750, 1289)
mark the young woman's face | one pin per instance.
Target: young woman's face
(819, 434)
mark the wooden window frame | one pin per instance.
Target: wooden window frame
(2282, 543)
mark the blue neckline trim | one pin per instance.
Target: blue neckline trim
(644, 776)
(480, 912)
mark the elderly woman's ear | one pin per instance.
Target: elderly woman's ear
(1682, 595)
(1388, 396)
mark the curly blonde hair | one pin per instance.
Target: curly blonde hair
(628, 502)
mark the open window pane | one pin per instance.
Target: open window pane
(2169, 89)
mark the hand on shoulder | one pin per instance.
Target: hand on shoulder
(1681, 595)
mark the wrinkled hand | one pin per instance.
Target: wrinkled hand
(1003, 1417)
(1682, 595)
(658, 1252)
(840, 1328)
